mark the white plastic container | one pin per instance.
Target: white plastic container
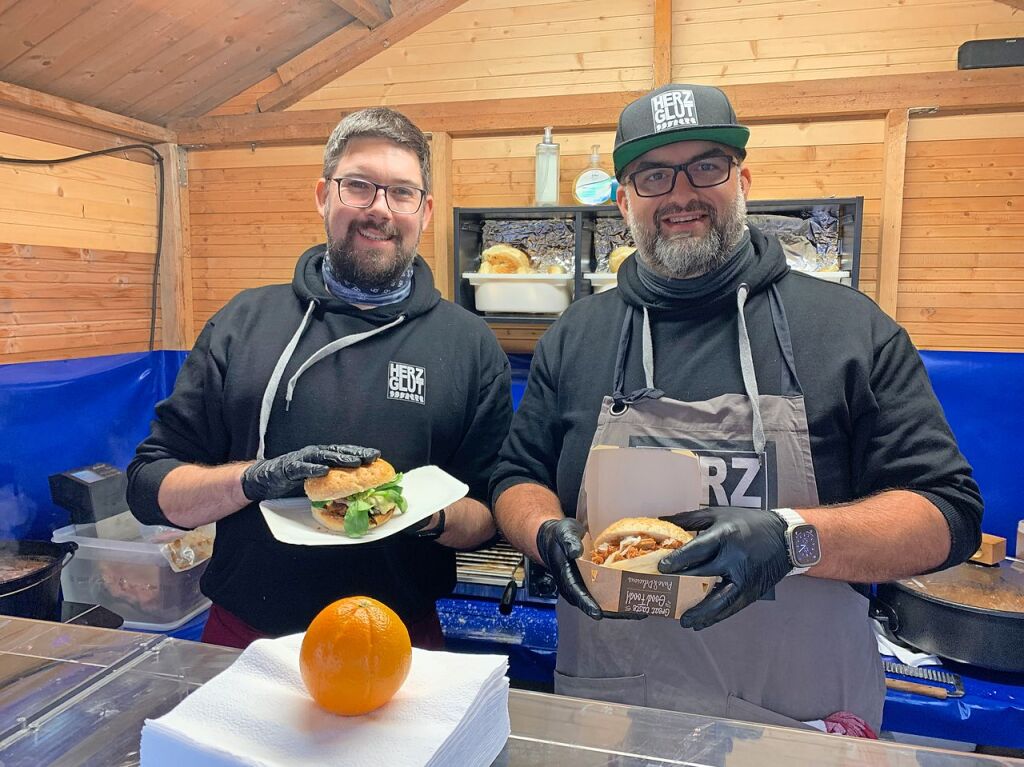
(521, 293)
(601, 281)
(149, 584)
(840, 276)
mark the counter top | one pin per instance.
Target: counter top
(77, 695)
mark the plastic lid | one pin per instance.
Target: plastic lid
(999, 588)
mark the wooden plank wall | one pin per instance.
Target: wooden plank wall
(77, 245)
(512, 48)
(961, 278)
(252, 214)
(726, 42)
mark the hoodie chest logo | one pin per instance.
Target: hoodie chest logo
(407, 382)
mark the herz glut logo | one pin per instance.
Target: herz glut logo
(672, 109)
(407, 382)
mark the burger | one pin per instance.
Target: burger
(353, 501)
(637, 543)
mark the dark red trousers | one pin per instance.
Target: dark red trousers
(227, 629)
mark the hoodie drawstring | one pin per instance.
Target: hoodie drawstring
(285, 358)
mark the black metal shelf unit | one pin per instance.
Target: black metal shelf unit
(468, 229)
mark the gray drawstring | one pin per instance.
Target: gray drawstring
(285, 358)
(331, 348)
(747, 368)
(647, 348)
(275, 379)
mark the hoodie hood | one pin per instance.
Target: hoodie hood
(308, 284)
(758, 265)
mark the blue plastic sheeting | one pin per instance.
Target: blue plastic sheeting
(983, 396)
(520, 364)
(56, 416)
(991, 711)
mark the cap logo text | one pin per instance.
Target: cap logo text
(672, 109)
(407, 382)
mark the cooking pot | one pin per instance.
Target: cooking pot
(30, 577)
(970, 613)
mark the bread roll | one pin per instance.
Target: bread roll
(340, 482)
(504, 259)
(623, 541)
(617, 256)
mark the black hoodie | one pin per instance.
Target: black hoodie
(874, 421)
(432, 389)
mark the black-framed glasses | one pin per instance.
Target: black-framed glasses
(360, 193)
(701, 173)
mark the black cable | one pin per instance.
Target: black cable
(160, 208)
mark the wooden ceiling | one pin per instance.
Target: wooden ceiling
(163, 60)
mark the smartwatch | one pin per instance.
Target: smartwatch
(802, 543)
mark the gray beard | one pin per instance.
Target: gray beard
(369, 268)
(689, 257)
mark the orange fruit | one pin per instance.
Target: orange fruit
(355, 656)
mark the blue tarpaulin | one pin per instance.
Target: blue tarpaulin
(60, 415)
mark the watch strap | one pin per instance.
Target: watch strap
(792, 518)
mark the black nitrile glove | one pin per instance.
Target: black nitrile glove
(560, 544)
(746, 547)
(282, 476)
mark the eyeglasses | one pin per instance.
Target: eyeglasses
(360, 193)
(701, 173)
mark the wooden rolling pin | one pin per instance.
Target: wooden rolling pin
(920, 689)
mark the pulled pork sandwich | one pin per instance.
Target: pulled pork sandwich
(637, 543)
(353, 501)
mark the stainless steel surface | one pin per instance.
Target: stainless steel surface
(75, 695)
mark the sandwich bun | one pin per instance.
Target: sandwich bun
(341, 482)
(504, 259)
(617, 256)
(650, 527)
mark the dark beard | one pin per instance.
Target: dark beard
(370, 268)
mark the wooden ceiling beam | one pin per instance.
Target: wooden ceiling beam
(372, 13)
(81, 114)
(1018, 4)
(330, 68)
(848, 98)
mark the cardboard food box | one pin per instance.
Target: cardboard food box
(640, 482)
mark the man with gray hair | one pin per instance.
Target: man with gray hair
(824, 454)
(359, 357)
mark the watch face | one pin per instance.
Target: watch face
(806, 550)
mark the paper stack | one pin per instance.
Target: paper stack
(452, 710)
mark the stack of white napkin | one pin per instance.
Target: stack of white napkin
(452, 710)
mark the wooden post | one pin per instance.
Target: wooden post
(893, 172)
(441, 188)
(662, 42)
(176, 254)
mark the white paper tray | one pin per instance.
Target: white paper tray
(427, 489)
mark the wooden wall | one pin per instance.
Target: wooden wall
(77, 245)
(490, 49)
(961, 271)
(252, 213)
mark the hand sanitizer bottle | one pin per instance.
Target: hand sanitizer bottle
(593, 186)
(546, 164)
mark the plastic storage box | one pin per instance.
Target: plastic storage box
(150, 581)
(521, 293)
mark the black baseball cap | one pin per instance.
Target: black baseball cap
(676, 113)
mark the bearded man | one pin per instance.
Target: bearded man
(358, 357)
(824, 453)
